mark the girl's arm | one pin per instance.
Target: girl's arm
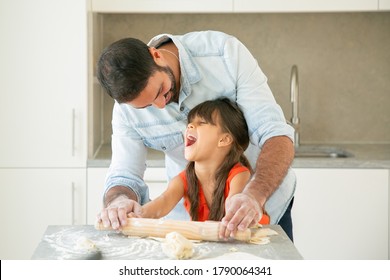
(163, 204)
(238, 182)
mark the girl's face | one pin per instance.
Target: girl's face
(201, 139)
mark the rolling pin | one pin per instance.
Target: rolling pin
(207, 231)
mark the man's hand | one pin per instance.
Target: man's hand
(242, 211)
(115, 214)
(245, 209)
(119, 202)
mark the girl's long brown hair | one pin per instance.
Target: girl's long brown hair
(231, 121)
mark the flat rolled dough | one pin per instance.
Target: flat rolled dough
(176, 246)
(261, 236)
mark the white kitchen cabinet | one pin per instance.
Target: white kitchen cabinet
(384, 5)
(31, 200)
(43, 120)
(232, 6)
(43, 111)
(342, 213)
(304, 5)
(95, 184)
(154, 177)
(162, 6)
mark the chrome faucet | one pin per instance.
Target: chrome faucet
(294, 93)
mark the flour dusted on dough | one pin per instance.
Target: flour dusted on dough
(261, 236)
(84, 243)
(176, 246)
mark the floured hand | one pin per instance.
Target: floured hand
(242, 211)
(116, 213)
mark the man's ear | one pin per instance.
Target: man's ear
(156, 55)
(225, 140)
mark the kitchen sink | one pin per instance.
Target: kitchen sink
(316, 151)
(308, 151)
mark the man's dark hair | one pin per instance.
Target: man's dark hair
(124, 69)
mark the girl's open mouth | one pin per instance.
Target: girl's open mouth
(190, 140)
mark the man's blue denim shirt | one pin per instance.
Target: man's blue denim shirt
(213, 64)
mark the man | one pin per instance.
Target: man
(156, 85)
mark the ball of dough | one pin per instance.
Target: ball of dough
(176, 246)
(84, 243)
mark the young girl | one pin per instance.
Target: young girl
(215, 140)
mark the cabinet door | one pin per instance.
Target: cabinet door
(384, 5)
(95, 188)
(155, 178)
(304, 5)
(158, 6)
(341, 213)
(43, 83)
(31, 200)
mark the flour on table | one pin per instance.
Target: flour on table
(237, 256)
(233, 249)
(176, 246)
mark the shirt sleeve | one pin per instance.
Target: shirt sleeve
(128, 161)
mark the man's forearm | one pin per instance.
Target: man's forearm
(116, 192)
(272, 166)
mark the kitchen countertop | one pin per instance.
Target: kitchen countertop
(60, 242)
(364, 156)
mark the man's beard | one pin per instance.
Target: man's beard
(174, 90)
